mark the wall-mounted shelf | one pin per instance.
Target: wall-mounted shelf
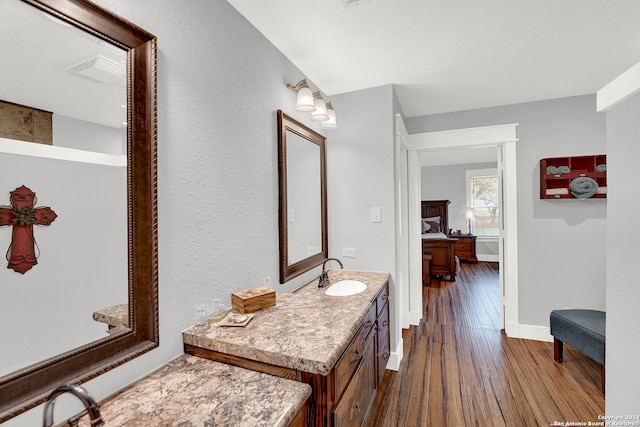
(557, 174)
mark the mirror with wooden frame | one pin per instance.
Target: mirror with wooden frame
(303, 198)
(27, 386)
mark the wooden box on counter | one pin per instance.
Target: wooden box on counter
(252, 300)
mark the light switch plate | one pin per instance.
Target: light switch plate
(375, 214)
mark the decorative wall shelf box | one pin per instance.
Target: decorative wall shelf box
(557, 174)
(252, 300)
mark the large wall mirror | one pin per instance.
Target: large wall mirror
(94, 73)
(303, 198)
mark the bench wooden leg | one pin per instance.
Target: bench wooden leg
(557, 350)
(602, 372)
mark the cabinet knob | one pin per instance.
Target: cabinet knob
(368, 324)
(356, 405)
(356, 359)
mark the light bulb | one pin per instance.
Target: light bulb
(320, 114)
(305, 103)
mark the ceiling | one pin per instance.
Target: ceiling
(37, 51)
(452, 55)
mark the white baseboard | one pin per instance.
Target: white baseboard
(414, 318)
(396, 357)
(488, 258)
(406, 322)
(529, 332)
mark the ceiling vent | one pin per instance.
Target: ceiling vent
(102, 69)
(351, 3)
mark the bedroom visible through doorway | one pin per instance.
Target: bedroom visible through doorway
(502, 140)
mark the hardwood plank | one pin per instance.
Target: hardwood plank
(455, 369)
(498, 399)
(459, 369)
(418, 383)
(434, 409)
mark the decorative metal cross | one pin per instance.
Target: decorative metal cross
(22, 216)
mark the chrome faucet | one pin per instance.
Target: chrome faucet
(324, 276)
(87, 400)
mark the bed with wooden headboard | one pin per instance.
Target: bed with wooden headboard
(435, 240)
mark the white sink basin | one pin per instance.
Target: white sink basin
(345, 288)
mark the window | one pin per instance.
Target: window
(483, 199)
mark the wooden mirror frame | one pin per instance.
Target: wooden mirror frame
(288, 272)
(28, 387)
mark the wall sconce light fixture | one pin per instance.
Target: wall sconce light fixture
(320, 114)
(310, 102)
(305, 102)
(331, 123)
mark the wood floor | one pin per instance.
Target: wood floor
(459, 369)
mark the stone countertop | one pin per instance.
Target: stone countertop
(306, 330)
(116, 317)
(192, 391)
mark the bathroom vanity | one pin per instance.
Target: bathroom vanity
(194, 391)
(339, 345)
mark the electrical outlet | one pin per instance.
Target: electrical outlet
(201, 315)
(349, 252)
(312, 250)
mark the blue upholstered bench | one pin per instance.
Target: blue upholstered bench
(583, 330)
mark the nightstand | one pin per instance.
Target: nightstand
(465, 247)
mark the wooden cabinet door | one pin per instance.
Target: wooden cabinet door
(383, 344)
(354, 405)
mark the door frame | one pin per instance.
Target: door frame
(406, 220)
(503, 137)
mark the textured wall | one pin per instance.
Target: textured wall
(623, 268)
(220, 83)
(360, 171)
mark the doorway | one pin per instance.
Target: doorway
(503, 138)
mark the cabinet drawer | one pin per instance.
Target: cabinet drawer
(354, 354)
(382, 298)
(353, 406)
(383, 357)
(368, 322)
(466, 252)
(383, 326)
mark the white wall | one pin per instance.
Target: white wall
(82, 264)
(623, 268)
(81, 135)
(360, 175)
(561, 243)
(220, 83)
(450, 183)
